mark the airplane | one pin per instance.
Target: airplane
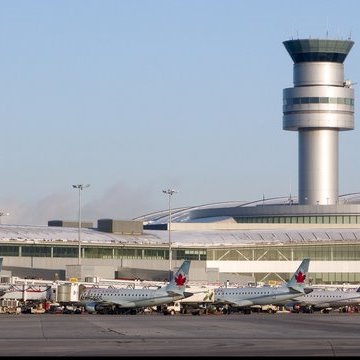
(245, 297)
(324, 300)
(131, 300)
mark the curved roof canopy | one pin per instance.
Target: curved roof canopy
(40, 235)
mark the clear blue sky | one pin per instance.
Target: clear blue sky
(134, 97)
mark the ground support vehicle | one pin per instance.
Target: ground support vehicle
(171, 309)
(9, 307)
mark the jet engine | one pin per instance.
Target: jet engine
(93, 307)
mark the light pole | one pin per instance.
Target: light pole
(80, 187)
(170, 192)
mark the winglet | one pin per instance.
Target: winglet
(297, 281)
(178, 282)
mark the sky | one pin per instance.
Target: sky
(138, 96)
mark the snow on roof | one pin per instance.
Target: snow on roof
(182, 238)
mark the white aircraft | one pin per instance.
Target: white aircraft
(245, 297)
(324, 300)
(121, 300)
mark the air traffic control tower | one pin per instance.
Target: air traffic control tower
(320, 104)
(318, 107)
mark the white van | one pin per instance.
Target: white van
(172, 308)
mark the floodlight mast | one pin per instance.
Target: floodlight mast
(170, 192)
(80, 187)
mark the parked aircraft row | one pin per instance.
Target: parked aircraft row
(96, 299)
(293, 295)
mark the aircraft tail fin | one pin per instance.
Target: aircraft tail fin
(178, 281)
(297, 281)
(358, 289)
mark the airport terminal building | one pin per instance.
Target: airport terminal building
(263, 240)
(220, 248)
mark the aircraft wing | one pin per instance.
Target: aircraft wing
(121, 303)
(239, 303)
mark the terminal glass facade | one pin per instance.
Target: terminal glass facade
(303, 219)
(334, 251)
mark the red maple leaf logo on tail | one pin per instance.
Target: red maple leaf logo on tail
(180, 280)
(300, 277)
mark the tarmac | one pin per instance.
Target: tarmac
(91, 335)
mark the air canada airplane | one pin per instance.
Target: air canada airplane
(245, 297)
(324, 300)
(120, 300)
